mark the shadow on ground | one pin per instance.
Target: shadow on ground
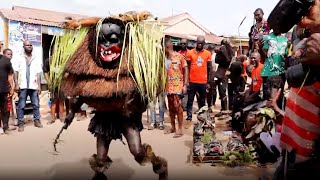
(81, 170)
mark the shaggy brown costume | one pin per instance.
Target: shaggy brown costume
(119, 105)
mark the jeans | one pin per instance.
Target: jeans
(152, 107)
(33, 94)
(4, 110)
(192, 90)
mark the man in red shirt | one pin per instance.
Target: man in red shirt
(200, 64)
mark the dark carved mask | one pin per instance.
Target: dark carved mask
(110, 41)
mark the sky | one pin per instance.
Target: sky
(221, 17)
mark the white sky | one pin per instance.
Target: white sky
(222, 17)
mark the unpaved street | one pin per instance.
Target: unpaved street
(28, 155)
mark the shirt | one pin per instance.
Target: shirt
(256, 78)
(5, 71)
(27, 78)
(198, 65)
(175, 70)
(235, 69)
(277, 49)
(245, 65)
(183, 52)
(301, 123)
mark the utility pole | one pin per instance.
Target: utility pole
(240, 43)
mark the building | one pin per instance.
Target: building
(35, 25)
(239, 41)
(184, 26)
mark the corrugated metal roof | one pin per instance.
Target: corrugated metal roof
(37, 16)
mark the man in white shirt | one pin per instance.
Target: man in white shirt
(27, 70)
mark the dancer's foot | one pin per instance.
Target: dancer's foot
(99, 166)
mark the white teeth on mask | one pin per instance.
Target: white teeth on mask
(109, 52)
(102, 54)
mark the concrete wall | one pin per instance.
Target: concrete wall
(3, 32)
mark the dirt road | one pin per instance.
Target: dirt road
(28, 155)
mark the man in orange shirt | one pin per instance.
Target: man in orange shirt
(252, 95)
(200, 64)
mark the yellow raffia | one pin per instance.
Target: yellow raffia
(64, 48)
(145, 48)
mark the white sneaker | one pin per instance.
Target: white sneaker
(1, 131)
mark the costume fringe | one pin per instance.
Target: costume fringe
(86, 86)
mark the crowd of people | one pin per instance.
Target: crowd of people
(271, 56)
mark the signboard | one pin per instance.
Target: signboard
(55, 31)
(21, 31)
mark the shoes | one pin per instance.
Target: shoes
(160, 126)
(38, 124)
(21, 128)
(151, 127)
(188, 124)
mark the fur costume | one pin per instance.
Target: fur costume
(91, 77)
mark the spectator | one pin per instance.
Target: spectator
(27, 83)
(183, 51)
(152, 106)
(199, 62)
(276, 50)
(244, 75)
(237, 81)
(6, 90)
(212, 93)
(8, 53)
(252, 95)
(223, 59)
(257, 31)
(177, 69)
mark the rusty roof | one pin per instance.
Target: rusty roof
(37, 16)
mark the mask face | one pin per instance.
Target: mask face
(110, 41)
